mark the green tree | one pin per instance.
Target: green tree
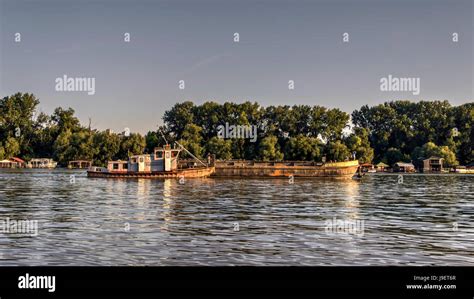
(134, 144)
(268, 149)
(181, 115)
(220, 147)
(337, 151)
(302, 147)
(430, 149)
(359, 143)
(191, 139)
(65, 120)
(61, 147)
(394, 155)
(107, 145)
(81, 145)
(463, 132)
(10, 148)
(16, 121)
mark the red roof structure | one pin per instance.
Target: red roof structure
(18, 160)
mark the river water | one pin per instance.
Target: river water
(423, 220)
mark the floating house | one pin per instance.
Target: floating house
(433, 164)
(381, 167)
(7, 164)
(12, 163)
(403, 167)
(79, 164)
(41, 163)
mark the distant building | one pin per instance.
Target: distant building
(433, 164)
(459, 169)
(381, 167)
(469, 168)
(12, 163)
(41, 163)
(403, 167)
(7, 164)
(79, 164)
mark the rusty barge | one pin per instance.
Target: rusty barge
(252, 169)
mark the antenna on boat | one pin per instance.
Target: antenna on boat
(190, 153)
(163, 135)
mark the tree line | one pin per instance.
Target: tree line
(60, 136)
(390, 132)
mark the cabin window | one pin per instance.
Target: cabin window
(159, 154)
(115, 166)
(168, 155)
(134, 160)
(141, 159)
(125, 166)
(174, 153)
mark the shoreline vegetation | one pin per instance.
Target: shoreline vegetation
(390, 132)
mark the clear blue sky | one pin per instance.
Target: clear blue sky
(193, 41)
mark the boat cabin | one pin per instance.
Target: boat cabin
(117, 166)
(162, 159)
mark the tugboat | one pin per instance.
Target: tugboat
(162, 163)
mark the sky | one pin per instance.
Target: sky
(193, 40)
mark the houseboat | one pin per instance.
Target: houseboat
(79, 164)
(162, 163)
(403, 167)
(41, 163)
(12, 163)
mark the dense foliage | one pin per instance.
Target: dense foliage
(59, 136)
(389, 132)
(404, 131)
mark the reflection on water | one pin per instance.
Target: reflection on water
(352, 201)
(169, 223)
(167, 202)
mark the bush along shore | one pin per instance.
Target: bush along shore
(390, 132)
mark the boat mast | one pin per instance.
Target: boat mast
(190, 153)
(163, 135)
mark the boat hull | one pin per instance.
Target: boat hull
(247, 169)
(186, 173)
